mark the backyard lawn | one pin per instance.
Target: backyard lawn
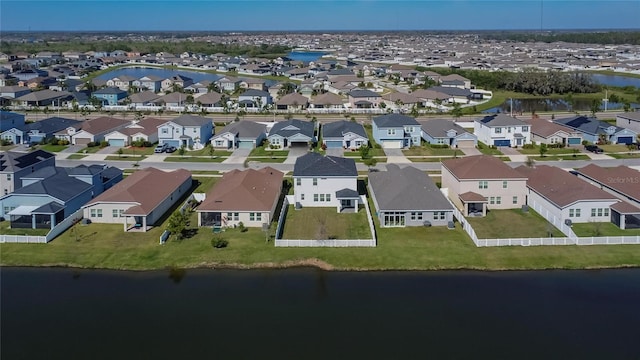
(325, 223)
(5, 229)
(602, 229)
(205, 183)
(512, 223)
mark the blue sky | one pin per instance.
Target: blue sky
(247, 15)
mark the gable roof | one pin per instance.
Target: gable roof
(60, 186)
(394, 120)
(560, 187)
(546, 128)
(210, 98)
(143, 97)
(103, 124)
(430, 94)
(589, 125)
(315, 164)
(480, 167)
(406, 189)
(402, 97)
(13, 161)
(41, 95)
(255, 93)
(452, 91)
(244, 129)
(500, 120)
(109, 91)
(338, 129)
(51, 125)
(328, 98)
(359, 93)
(191, 120)
(293, 99)
(282, 128)
(437, 128)
(135, 189)
(247, 190)
(622, 179)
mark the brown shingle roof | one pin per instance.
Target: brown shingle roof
(145, 126)
(480, 167)
(621, 178)
(293, 99)
(247, 190)
(146, 188)
(560, 187)
(471, 196)
(625, 208)
(103, 124)
(546, 128)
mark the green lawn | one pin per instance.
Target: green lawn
(614, 148)
(513, 223)
(5, 229)
(138, 150)
(205, 183)
(89, 150)
(267, 159)
(625, 156)
(205, 152)
(215, 159)
(7, 147)
(260, 151)
(602, 229)
(52, 148)
(488, 150)
(429, 159)
(427, 150)
(76, 156)
(560, 157)
(126, 157)
(550, 151)
(325, 223)
(372, 152)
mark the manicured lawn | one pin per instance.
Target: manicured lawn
(5, 229)
(487, 150)
(205, 152)
(76, 156)
(125, 157)
(614, 148)
(372, 152)
(379, 159)
(52, 148)
(625, 156)
(560, 157)
(89, 150)
(260, 151)
(602, 229)
(215, 159)
(550, 151)
(513, 223)
(7, 147)
(268, 159)
(137, 150)
(205, 183)
(429, 159)
(325, 223)
(427, 150)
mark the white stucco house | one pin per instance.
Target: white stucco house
(502, 130)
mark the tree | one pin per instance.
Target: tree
(543, 149)
(120, 152)
(626, 106)
(211, 150)
(364, 152)
(177, 224)
(456, 112)
(529, 162)
(595, 106)
(181, 151)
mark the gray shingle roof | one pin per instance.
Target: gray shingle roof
(60, 186)
(244, 129)
(406, 189)
(305, 127)
(191, 120)
(109, 90)
(587, 125)
(13, 161)
(339, 128)
(453, 91)
(501, 120)
(49, 208)
(437, 128)
(358, 93)
(394, 120)
(52, 125)
(255, 93)
(315, 164)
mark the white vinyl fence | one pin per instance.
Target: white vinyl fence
(52, 234)
(23, 239)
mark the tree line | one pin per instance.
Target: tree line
(608, 37)
(147, 47)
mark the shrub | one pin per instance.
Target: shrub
(528, 146)
(370, 162)
(439, 146)
(219, 242)
(104, 144)
(241, 227)
(91, 144)
(63, 142)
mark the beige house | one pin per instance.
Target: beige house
(479, 183)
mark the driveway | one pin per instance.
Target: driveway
(395, 156)
(108, 150)
(238, 156)
(335, 152)
(470, 151)
(296, 152)
(513, 154)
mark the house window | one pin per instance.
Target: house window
(593, 212)
(301, 196)
(322, 197)
(439, 215)
(115, 213)
(599, 211)
(298, 181)
(165, 131)
(315, 197)
(96, 213)
(315, 181)
(571, 213)
(577, 212)
(509, 130)
(515, 199)
(416, 216)
(258, 216)
(606, 211)
(483, 184)
(393, 219)
(492, 200)
(498, 130)
(8, 177)
(409, 129)
(252, 216)
(328, 197)
(391, 131)
(498, 200)
(504, 184)
(525, 129)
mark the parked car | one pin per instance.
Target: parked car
(593, 149)
(171, 149)
(161, 148)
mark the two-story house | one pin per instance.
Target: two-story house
(254, 98)
(364, 99)
(629, 120)
(502, 130)
(12, 127)
(396, 131)
(122, 82)
(326, 181)
(149, 82)
(481, 182)
(14, 165)
(180, 81)
(186, 130)
(110, 95)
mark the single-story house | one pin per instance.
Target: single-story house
(550, 133)
(240, 135)
(291, 133)
(95, 130)
(143, 130)
(344, 134)
(447, 132)
(249, 197)
(594, 130)
(293, 101)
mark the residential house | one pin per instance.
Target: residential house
(623, 182)
(240, 135)
(408, 197)
(565, 196)
(179, 81)
(110, 95)
(142, 130)
(479, 183)
(396, 131)
(45, 129)
(172, 100)
(502, 130)
(40, 98)
(401, 101)
(228, 83)
(122, 82)
(550, 133)
(132, 204)
(186, 130)
(457, 94)
(629, 120)
(15, 165)
(327, 101)
(12, 92)
(51, 194)
(455, 80)
(253, 83)
(249, 197)
(447, 132)
(143, 98)
(594, 130)
(94, 130)
(364, 99)
(292, 102)
(344, 134)
(291, 133)
(326, 181)
(150, 83)
(210, 99)
(254, 98)
(10, 120)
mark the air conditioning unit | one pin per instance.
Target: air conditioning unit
(525, 208)
(568, 222)
(427, 223)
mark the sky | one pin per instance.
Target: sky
(316, 15)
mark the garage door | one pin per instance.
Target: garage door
(502, 142)
(334, 144)
(625, 140)
(81, 141)
(466, 144)
(392, 144)
(574, 141)
(116, 142)
(245, 144)
(174, 143)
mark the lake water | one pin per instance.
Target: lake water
(305, 56)
(139, 72)
(312, 314)
(528, 105)
(616, 80)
